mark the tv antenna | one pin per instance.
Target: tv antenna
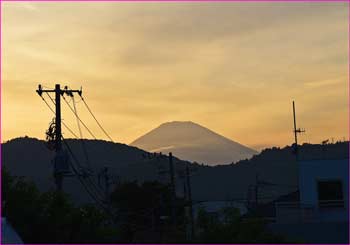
(296, 132)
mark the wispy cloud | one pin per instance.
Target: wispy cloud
(231, 66)
(21, 5)
(327, 82)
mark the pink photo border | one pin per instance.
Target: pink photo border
(136, 1)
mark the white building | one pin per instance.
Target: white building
(324, 186)
(8, 234)
(322, 212)
(324, 193)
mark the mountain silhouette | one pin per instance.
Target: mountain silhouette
(30, 158)
(193, 142)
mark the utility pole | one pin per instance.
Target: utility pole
(109, 180)
(61, 159)
(172, 189)
(58, 117)
(256, 190)
(296, 132)
(189, 192)
(171, 173)
(58, 146)
(107, 183)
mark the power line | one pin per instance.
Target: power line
(95, 187)
(81, 136)
(104, 131)
(47, 104)
(86, 176)
(79, 119)
(65, 125)
(76, 113)
(237, 199)
(62, 122)
(84, 149)
(44, 86)
(92, 195)
(60, 168)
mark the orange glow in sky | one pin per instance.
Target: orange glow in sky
(232, 67)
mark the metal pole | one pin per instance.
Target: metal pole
(256, 189)
(58, 117)
(295, 126)
(188, 180)
(60, 158)
(107, 185)
(58, 146)
(172, 186)
(296, 131)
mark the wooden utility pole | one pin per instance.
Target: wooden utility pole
(107, 184)
(61, 160)
(256, 190)
(172, 188)
(109, 180)
(189, 192)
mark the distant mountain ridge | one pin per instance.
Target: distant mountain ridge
(193, 142)
(29, 157)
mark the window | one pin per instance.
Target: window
(330, 194)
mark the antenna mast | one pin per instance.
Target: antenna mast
(296, 132)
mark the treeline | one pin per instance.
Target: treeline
(138, 213)
(50, 217)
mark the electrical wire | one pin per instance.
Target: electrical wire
(277, 185)
(98, 123)
(82, 180)
(81, 136)
(65, 125)
(79, 119)
(80, 166)
(82, 141)
(94, 195)
(97, 190)
(44, 86)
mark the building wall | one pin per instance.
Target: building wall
(331, 233)
(312, 171)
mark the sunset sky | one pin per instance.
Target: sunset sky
(231, 67)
